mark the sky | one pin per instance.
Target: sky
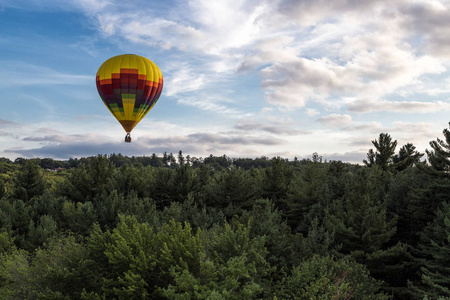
(244, 78)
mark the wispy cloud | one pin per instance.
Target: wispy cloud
(216, 105)
(22, 74)
(336, 120)
(269, 128)
(8, 123)
(372, 105)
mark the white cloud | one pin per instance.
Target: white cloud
(22, 74)
(183, 79)
(336, 120)
(373, 105)
(215, 105)
(309, 50)
(430, 21)
(311, 112)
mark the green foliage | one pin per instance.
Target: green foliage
(276, 181)
(433, 257)
(359, 219)
(406, 157)
(29, 182)
(6, 243)
(87, 182)
(118, 227)
(2, 188)
(232, 265)
(234, 187)
(78, 217)
(63, 269)
(324, 277)
(439, 156)
(140, 260)
(15, 276)
(383, 155)
(307, 196)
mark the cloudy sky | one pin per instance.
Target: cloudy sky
(245, 78)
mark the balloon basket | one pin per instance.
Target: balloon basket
(128, 138)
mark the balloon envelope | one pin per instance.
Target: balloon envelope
(129, 85)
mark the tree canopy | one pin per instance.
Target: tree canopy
(175, 227)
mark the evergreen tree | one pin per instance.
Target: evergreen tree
(185, 182)
(363, 229)
(15, 276)
(86, 182)
(142, 260)
(439, 156)
(181, 159)
(285, 248)
(433, 257)
(29, 182)
(403, 189)
(307, 195)
(62, 270)
(330, 278)
(2, 188)
(426, 200)
(276, 182)
(163, 187)
(234, 187)
(406, 157)
(385, 150)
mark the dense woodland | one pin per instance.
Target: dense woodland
(175, 227)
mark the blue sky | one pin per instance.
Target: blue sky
(242, 78)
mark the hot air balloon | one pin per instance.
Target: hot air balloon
(129, 85)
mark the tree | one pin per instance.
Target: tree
(439, 156)
(330, 278)
(232, 265)
(15, 276)
(285, 248)
(2, 188)
(426, 200)
(140, 260)
(307, 195)
(385, 149)
(86, 182)
(29, 182)
(406, 157)
(276, 182)
(234, 187)
(185, 182)
(62, 270)
(363, 229)
(433, 257)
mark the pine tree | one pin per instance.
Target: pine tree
(385, 149)
(234, 187)
(426, 200)
(439, 156)
(306, 195)
(29, 182)
(86, 182)
(276, 182)
(433, 257)
(330, 278)
(363, 229)
(406, 157)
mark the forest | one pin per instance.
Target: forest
(180, 227)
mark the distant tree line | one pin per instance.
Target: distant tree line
(180, 227)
